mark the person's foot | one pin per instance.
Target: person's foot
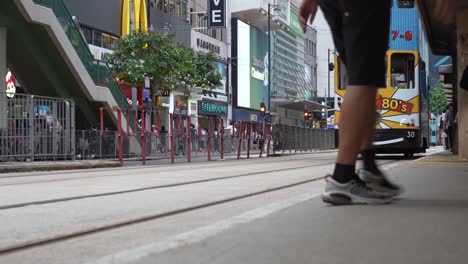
(352, 192)
(379, 182)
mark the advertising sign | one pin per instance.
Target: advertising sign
(295, 26)
(212, 108)
(216, 13)
(252, 67)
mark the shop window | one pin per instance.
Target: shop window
(97, 38)
(402, 70)
(88, 34)
(406, 3)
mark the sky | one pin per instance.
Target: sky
(324, 42)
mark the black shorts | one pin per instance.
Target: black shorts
(360, 31)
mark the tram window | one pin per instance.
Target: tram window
(343, 80)
(405, 3)
(402, 70)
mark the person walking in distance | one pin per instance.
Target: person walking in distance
(360, 31)
(449, 118)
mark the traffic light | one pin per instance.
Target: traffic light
(307, 115)
(262, 109)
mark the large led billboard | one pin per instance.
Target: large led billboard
(252, 66)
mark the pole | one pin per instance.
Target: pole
(143, 137)
(269, 57)
(189, 140)
(327, 98)
(171, 137)
(119, 135)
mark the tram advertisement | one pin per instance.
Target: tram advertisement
(396, 108)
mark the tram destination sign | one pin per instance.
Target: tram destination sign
(212, 108)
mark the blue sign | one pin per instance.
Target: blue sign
(212, 108)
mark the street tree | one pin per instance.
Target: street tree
(437, 99)
(168, 65)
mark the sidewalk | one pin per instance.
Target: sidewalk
(6, 167)
(427, 224)
(9, 167)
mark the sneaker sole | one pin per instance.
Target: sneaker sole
(373, 183)
(347, 199)
(380, 188)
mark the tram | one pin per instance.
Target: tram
(403, 119)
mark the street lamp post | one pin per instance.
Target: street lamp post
(269, 58)
(327, 97)
(270, 6)
(331, 67)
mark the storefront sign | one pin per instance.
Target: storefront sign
(205, 45)
(99, 53)
(216, 13)
(10, 85)
(212, 108)
(180, 107)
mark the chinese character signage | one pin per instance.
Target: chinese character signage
(212, 108)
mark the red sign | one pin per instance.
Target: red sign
(393, 104)
(10, 85)
(408, 35)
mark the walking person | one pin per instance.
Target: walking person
(449, 118)
(163, 137)
(360, 31)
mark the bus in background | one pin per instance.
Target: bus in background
(403, 105)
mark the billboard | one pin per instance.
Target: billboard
(252, 66)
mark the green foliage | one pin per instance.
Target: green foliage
(437, 100)
(168, 64)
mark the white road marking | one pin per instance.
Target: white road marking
(200, 234)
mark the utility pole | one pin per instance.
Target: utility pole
(269, 59)
(327, 96)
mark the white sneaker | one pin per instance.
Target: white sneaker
(352, 192)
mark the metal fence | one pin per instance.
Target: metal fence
(239, 140)
(290, 138)
(36, 128)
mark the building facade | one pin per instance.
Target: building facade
(289, 83)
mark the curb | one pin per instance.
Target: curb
(55, 167)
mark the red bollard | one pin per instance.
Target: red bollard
(221, 133)
(249, 135)
(101, 118)
(269, 131)
(119, 135)
(143, 137)
(189, 145)
(128, 122)
(240, 133)
(135, 121)
(171, 136)
(209, 139)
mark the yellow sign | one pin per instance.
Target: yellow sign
(166, 92)
(139, 14)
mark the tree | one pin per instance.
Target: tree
(201, 72)
(167, 64)
(143, 54)
(437, 99)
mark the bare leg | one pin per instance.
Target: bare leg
(356, 122)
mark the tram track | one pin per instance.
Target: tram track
(178, 184)
(110, 172)
(152, 217)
